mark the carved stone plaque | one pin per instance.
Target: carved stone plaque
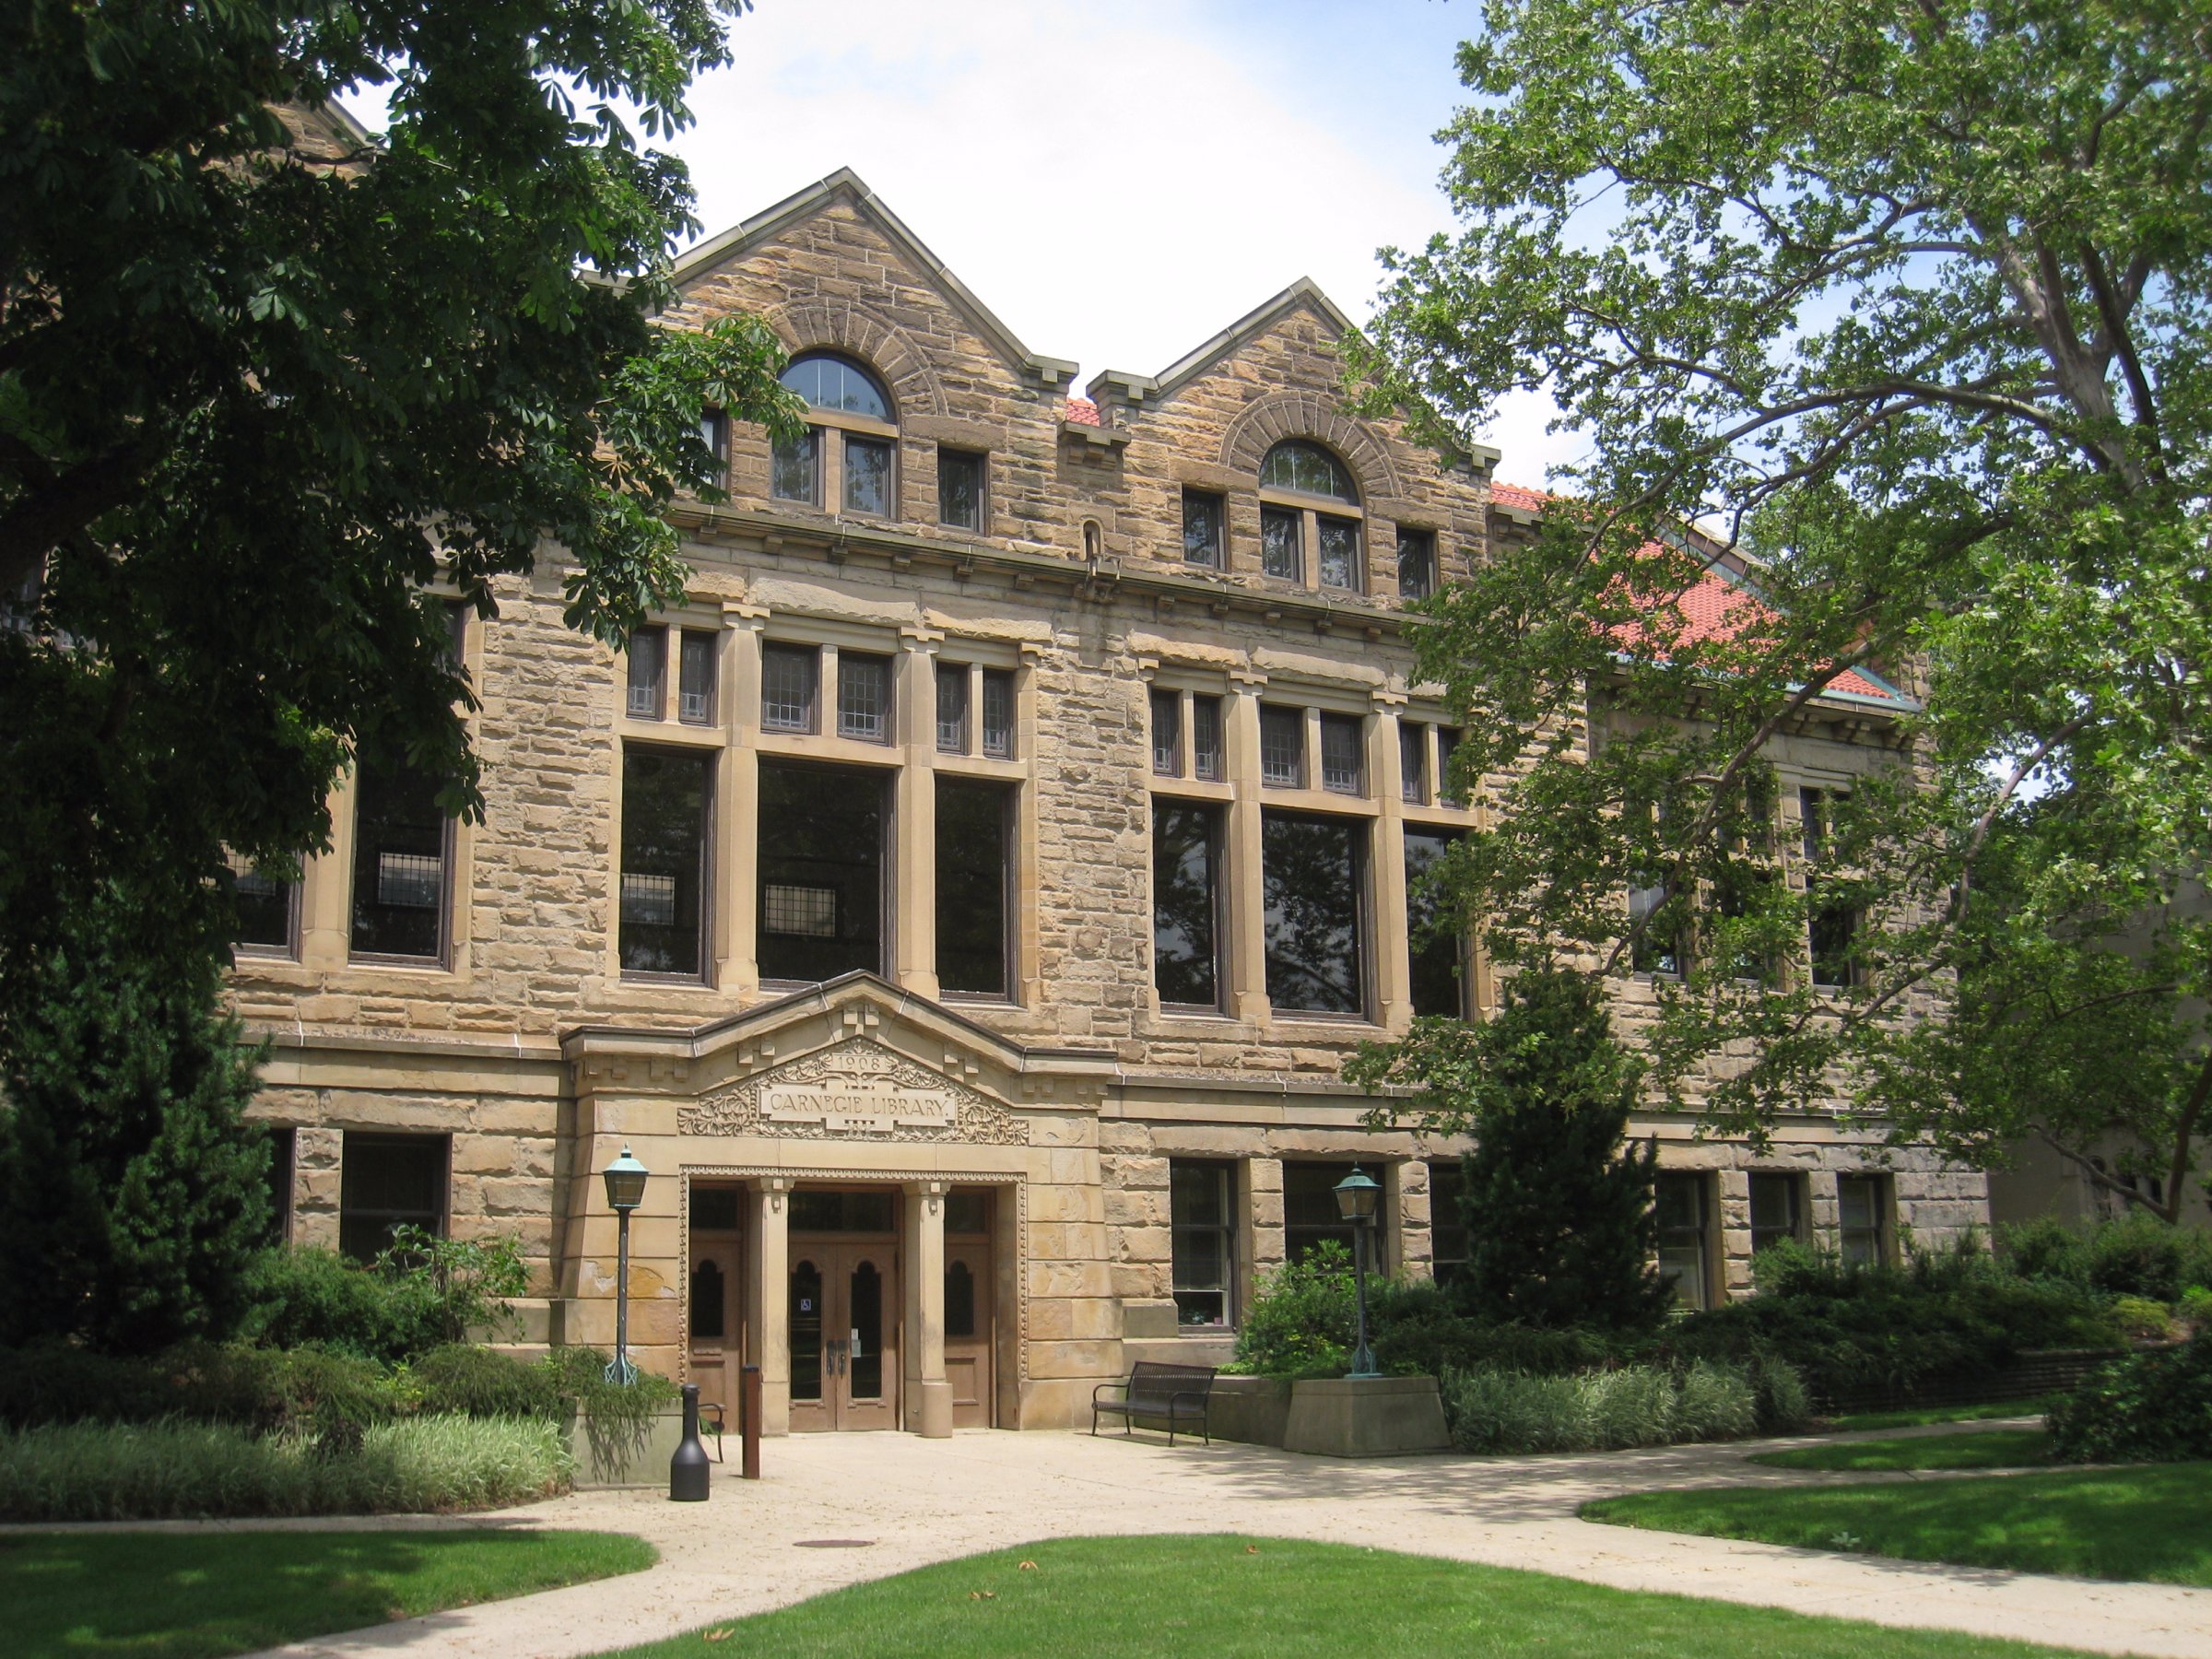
(856, 1089)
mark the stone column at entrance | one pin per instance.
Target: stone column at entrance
(928, 1392)
(768, 1299)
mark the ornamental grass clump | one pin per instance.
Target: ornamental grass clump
(174, 1470)
(1502, 1411)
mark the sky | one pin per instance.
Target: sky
(1120, 181)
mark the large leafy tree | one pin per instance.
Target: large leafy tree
(272, 398)
(1907, 302)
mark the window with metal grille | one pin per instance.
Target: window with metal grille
(1417, 564)
(998, 714)
(648, 674)
(399, 866)
(386, 1181)
(1283, 747)
(952, 708)
(695, 679)
(1413, 754)
(1167, 733)
(1343, 765)
(823, 839)
(1658, 946)
(863, 697)
(1205, 739)
(803, 913)
(1202, 1211)
(790, 683)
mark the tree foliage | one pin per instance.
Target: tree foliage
(1560, 1226)
(1908, 302)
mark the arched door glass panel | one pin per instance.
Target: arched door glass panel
(806, 1332)
(867, 1331)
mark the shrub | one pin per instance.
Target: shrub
(1302, 1321)
(257, 1388)
(138, 1472)
(317, 1299)
(1492, 1410)
(2134, 1255)
(2142, 1318)
(2197, 1308)
(2150, 1407)
(484, 1382)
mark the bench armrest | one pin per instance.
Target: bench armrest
(1121, 1384)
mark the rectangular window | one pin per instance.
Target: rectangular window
(822, 858)
(715, 432)
(1202, 528)
(867, 477)
(961, 489)
(1167, 733)
(1449, 1229)
(1434, 936)
(1862, 1219)
(1283, 747)
(1683, 1255)
(1448, 790)
(1340, 553)
(1777, 1209)
(666, 796)
(389, 1181)
(863, 697)
(1202, 1209)
(998, 714)
(1834, 930)
(1343, 763)
(1413, 754)
(284, 1163)
(695, 678)
(399, 863)
(1657, 950)
(1417, 564)
(794, 468)
(952, 708)
(1309, 1214)
(1205, 739)
(1186, 904)
(1816, 812)
(790, 678)
(974, 875)
(267, 908)
(1313, 877)
(1278, 544)
(648, 698)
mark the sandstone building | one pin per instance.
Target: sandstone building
(964, 903)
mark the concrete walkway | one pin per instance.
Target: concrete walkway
(918, 1501)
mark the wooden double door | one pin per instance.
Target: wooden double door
(845, 1334)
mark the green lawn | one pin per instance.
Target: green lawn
(2148, 1522)
(1228, 1595)
(1921, 1416)
(1976, 1449)
(193, 1596)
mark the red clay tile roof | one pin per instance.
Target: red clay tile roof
(1082, 411)
(1715, 608)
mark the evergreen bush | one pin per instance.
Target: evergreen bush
(2150, 1407)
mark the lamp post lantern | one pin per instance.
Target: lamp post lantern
(625, 1191)
(1357, 1197)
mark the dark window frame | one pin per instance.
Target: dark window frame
(951, 460)
(793, 652)
(1208, 551)
(353, 1215)
(1360, 848)
(1215, 956)
(645, 685)
(707, 761)
(439, 959)
(697, 644)
(1278, 716)
(1795, 1227)
(1224, 1175)
(1164, 717)
(1677, 1237)
(1879, 1232)
(852, 721)
(1416, 557)
(879, 779)
(1009, 808)
(1309, 1216)
(274, 951)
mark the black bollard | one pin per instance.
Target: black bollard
(687, 1468)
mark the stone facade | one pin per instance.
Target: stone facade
(1035, 1130)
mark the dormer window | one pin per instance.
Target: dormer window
(849, 452)
(1310, 519)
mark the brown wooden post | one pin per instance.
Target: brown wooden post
(749, 1428)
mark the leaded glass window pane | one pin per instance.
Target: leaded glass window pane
(1167, 733)
(863, 697)
(1283, 747)
(695, 682)
(1204, 1241)
(790, 681)
(264, 906)
(648, 670)
(1205, 738)
(1777, 1210)
(1310, 1212)
(821, 859)
(998, 714)
(1682, 1241)
(1342, 764)
(952, 708)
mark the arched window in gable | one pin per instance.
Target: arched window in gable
(847, 461)
(1310, 519)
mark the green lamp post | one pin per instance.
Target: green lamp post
(625, 1191)
(1357, 1198)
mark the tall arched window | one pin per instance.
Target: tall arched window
(1310, 517)
(848, 457)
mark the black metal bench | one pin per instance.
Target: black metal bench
(1172, 1393)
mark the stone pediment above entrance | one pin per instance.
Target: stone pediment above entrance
(855, 1089)
(853, 1059)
